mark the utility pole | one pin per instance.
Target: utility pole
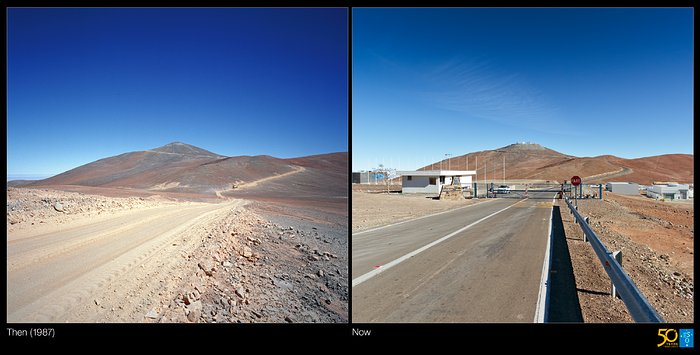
(449, 156)
(493, 182)
(476, 172)
(504, 169)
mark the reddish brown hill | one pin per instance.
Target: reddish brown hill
(178, 167)
(532, 161)
(669, 167)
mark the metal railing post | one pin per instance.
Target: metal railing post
(637, 305)
(618, 257)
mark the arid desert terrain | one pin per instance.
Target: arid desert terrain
(261, 240)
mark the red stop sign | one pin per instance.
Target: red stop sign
(575, 180)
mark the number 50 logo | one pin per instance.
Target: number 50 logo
(669, 336)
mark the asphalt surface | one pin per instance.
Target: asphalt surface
(482, 263)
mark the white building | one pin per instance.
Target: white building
(431, 181)
(669, 192)
(624, 188)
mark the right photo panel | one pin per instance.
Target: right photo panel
(523, 165)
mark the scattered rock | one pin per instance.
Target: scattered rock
(320, 273)
(97, 302)
(194, 311)
(288, 319)
(58, 206)
(247, 252)
(152, 314)
(208, 267)
(240, 292)
(226, 264)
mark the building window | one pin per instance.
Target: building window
(410, 178)
(432, 181)
(442, 179)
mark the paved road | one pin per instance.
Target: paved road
(478, 264)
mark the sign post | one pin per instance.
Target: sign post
(575, 180)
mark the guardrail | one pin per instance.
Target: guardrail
(637, 304)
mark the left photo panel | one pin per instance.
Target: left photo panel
(177, 165)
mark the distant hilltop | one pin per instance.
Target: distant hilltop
(527, 160)
(183, 168)
(523, 146)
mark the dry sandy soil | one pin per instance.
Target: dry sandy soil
(656, 240)
(165, 259)
(371, 210)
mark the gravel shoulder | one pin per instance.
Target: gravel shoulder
(370, 210)
(656, 240)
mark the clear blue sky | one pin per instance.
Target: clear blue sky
(584, 82)
(85, 84)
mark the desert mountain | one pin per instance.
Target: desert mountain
(186, 150)
(533, 161)
(183, 168)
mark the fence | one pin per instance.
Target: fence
(637, 304)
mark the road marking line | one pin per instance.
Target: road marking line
(543, 297)
(421, 217)
(395, 262)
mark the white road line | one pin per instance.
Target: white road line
(545, 287)
(395, 262)
(421, 217)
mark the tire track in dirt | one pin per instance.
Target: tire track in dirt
(48, 288)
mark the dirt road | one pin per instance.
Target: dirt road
(56, 271)
(297, 169)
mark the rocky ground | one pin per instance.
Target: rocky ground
(30, 207)
(253, 270)
(236, 265)
(656, 240)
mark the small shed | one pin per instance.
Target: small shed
(623, 188)
(431, 181)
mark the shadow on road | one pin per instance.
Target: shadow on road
(564, 305)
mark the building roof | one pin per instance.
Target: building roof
(669, 187)
(437, 172)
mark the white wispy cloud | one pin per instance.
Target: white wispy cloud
(477, 89)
